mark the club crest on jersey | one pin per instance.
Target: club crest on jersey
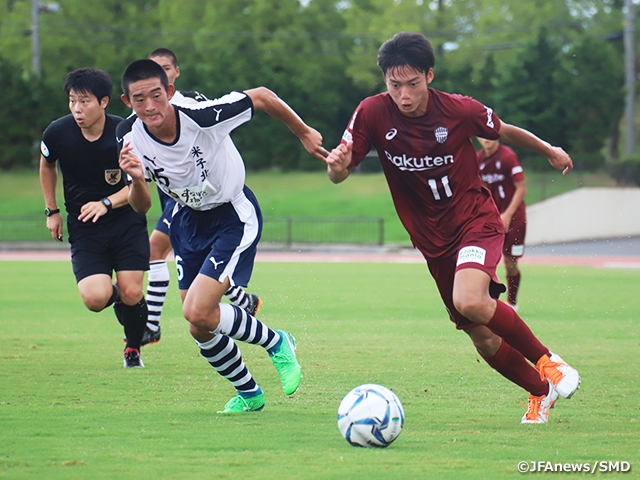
(112, 177)
(441, 134)
(498, 164)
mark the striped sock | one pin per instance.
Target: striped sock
(237, 296)
(237, 323)
(157, 292)
(225, 357)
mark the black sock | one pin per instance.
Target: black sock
(115, 296)
(134, 320)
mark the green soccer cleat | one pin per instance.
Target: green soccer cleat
(240, 404)
(287, 364)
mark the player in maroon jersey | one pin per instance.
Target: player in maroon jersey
(502, 174)
(424, 142)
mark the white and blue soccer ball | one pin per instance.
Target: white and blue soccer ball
(370, 416)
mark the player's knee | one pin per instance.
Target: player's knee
(194, 331)
(197, 317)
(510, 267)
(158, 252)
(159, 246)
(130, 294)
(468, 305)
(95, 303)
(478, 309)
(199, 334)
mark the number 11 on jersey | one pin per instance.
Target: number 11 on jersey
(433, 183)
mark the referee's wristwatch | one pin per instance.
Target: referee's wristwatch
(107, 203)
(48, 212)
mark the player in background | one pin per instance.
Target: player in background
(160, 246)
(424, 142)
(502, 174)
(105, 234)
(214, 233)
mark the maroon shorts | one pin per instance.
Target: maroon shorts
(478, 249)
(514, 240)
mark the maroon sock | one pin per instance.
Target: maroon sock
(513, 283)
(512, 365)
(507, 324)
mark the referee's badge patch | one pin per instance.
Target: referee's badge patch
(44, 150)
(112, 177)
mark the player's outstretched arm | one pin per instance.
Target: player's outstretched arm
(267, 101)
(139, 197)
(339, 162)
(558, 158)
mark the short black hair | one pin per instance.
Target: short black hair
(406, 49)
(164, 52)
(89, 80)
(143, 70)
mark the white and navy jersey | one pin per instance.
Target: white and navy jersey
(201, 169)
(187, 98)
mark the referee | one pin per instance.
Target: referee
(105, 233)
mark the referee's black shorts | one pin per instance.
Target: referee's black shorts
(118, 241)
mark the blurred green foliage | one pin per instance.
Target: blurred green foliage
(552, 67)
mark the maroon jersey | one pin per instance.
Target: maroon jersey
(499, 172)
(430, 165)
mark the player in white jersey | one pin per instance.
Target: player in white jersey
(159, 243)
(217, 222)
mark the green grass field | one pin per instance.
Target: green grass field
(69, 410)
(299, 194)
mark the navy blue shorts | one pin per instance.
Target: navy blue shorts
(111, 244)
(168, 204)
(219, 243)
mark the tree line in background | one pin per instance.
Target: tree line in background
(554, 67)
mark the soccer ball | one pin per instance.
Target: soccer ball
(370, 416)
